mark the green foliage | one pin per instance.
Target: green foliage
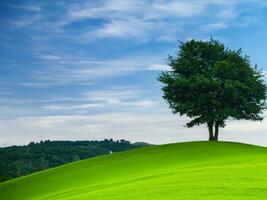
(18, 161)
(188, 171)
(211, 83)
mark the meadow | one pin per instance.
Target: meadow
(191, 170)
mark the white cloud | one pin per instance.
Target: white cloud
(215, 26)
(143, 103)
(123, 97)
(35, 85)
(145, 20)
(123, 29)
(159, 67)
(60, 70)
(104, 10)
(178, 9)
(31, 8)
(113, 99)
(72, 107)
(49, 57)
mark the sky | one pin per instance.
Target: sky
(87, 70)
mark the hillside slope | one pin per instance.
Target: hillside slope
(16, 161)
(195, 170)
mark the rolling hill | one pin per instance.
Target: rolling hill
(193, 170)
(16, 161)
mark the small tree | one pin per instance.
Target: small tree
(211, 83)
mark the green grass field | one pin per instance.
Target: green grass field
(194, 170)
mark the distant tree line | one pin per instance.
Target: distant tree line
(16, 161)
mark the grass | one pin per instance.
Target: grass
(194, 170)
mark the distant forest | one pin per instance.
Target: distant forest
(16, 161)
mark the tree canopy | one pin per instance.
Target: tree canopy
(211, 83)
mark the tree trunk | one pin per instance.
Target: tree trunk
(210, 126)
(216, 131)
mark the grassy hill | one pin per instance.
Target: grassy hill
(194, 170)
(16, 161)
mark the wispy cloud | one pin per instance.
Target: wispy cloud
(113, 98)
(143, 20)
(49, 57)
(177, 9)
(72, 107)
(159, 67)
(215, 26)
(32, 8)
(123, 29)
(59, 70)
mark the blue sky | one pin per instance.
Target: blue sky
(81, 70)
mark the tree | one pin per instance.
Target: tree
(211, 84)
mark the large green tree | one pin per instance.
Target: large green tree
(211, 84)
